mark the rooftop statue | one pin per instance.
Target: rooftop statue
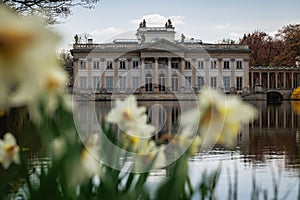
(76, 39)
(169, 24)
(182, 38)
(143, 24)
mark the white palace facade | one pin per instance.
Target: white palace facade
(157, 64)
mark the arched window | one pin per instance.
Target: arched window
(148, 83)
(175, 85)
(161, 82)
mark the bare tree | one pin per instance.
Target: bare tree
(49, 9)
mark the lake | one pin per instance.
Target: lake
(267, 151)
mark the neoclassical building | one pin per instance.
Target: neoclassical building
(156, 63)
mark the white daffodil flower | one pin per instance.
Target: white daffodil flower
(9, 151)
(28, 62)
(221, 117)
(148, 155)
(130, 118)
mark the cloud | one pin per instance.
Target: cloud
(103, 34)
(106, 31)
(159, 20)
(236, 35)
(223, 26)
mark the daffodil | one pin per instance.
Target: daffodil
(88, 164)
(9, 151)
(221, 117)
(28, 62)
(148, 155)
(51, 93)
(130, 118)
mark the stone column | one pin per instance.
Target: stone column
(246, 74)
(292, 79)
(252, 81)
(142, 77)
(284, 80)
(260, 78)
(207, 71)
(129, 75)
(276, 80)
(89, 78)
(268, 80)
(116, 75)
(181, 76)
(75, 75)
(155, 78)
(219, 77)
(169, 75)
(232, 72)
(103, 68)
(194, 75)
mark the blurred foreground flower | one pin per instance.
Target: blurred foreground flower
(9, 151)
(28, 63)
(130, 118)
(221, 117)
(89, 164)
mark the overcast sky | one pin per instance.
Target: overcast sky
(208, 20)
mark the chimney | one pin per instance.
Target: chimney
(90, 41)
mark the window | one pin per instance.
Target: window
(83, 83)
(239, 64)
(162, 65)
(122, 64)
(200, 82)
(148, 83)
(187, 65)
(213, 64)
(213, 82)
(122, 83)
(188, 80)
(109, 65)
(135, 82)
(201, 64)
(96, 64)
(148, 64)
(226, 64)
(226, 81)
(161, 83)
(175, 65)
(239, 83)
(135, 64)
(109, 83)
(82, 64)
(96, 83)
(174, 83)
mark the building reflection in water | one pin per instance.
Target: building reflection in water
(274, 133)
(164, 115)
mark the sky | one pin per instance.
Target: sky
(207, 20)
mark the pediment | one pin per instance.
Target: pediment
(164, 45)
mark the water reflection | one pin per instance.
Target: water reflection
(273, 135)
(164, 115)
(275, 132)
(270, 141)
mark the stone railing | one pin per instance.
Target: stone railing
(106, 46)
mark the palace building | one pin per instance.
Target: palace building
(155, 63)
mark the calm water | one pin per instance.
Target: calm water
(267, 149)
